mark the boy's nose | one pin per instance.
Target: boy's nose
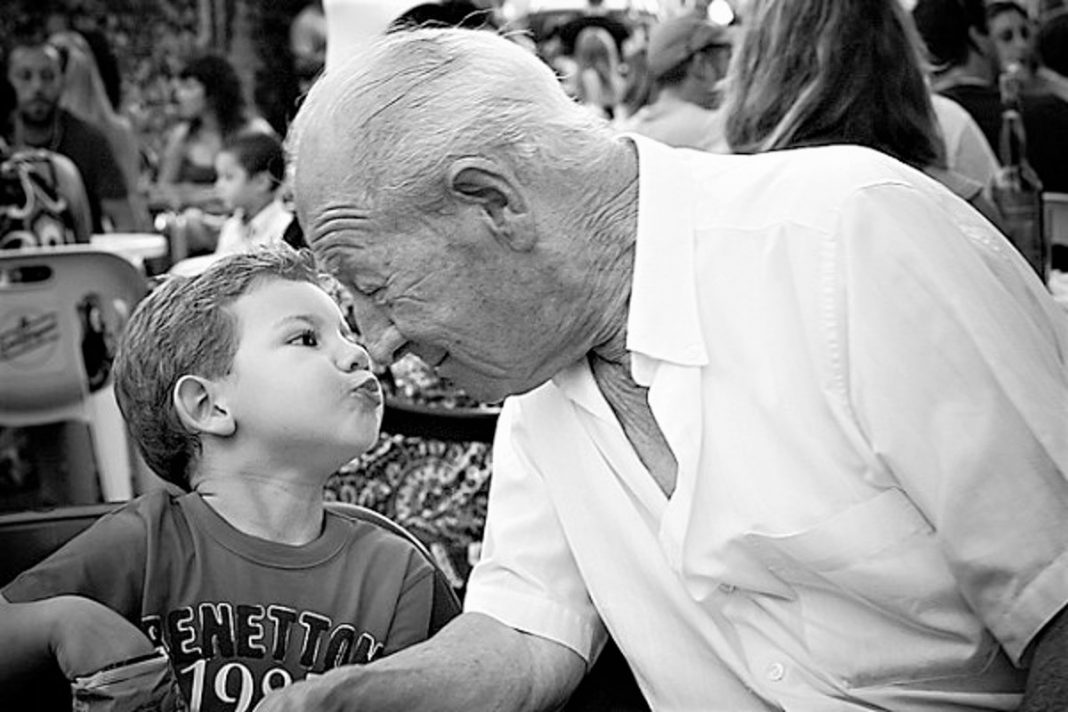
(354, 358)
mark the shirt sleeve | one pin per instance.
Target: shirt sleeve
(954, 356)
(526, 577)
(411, 618)
(106, 563)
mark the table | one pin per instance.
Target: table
(134, 246)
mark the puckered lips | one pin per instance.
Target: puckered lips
(367, 387)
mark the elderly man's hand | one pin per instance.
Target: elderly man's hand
(312, 695)
(85, 636)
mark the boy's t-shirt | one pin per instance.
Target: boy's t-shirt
(240, 615)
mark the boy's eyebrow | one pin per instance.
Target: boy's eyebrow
(313, 320)
(304, 318)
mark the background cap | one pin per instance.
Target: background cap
(674, 41)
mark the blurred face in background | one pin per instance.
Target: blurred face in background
(190, 95)
(37, 77)
(1011, 33)
(236, 188)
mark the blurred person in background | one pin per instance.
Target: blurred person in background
(1046, 115)
(967, 150)
(307, 43)
(42, 198)
(595, 14)
(212, 108)
(964, 63)
(1012, 32)
(250, 170)
(687, 58)
(85, 97)
(598, 81)
(789, 90)
(35, 70)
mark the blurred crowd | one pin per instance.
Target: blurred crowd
(173, 92)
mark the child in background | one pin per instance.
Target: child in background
(244, 387)
(249, 173)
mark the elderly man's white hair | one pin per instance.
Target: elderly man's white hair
(399, 111)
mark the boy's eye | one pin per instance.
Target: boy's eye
(306, 338)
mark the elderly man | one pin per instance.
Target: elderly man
(792, 428)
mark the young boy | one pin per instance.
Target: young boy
(249, 173)
(242, 386)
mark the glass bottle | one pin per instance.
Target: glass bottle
(1017, 191)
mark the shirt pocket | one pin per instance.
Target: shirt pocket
(876, 600)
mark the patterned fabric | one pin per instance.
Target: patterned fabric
(435, 489)
(33, 210)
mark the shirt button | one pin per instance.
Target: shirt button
(776, 671)
(726, 588)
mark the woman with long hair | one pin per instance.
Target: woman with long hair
(85, 96)
(212, 106)
(819, 72)
(599, 83)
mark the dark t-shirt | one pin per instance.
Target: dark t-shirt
(1046, 123)
(238, 614)
(88, 148)
(983, 103)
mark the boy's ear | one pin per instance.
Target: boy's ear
(479, 181)
(199, 408)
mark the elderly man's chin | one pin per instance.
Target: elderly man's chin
(483, 388)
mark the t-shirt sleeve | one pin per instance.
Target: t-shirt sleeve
(106, 563)
(957, 374)
(411, 618)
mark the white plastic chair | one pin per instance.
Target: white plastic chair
(1055, 217)
(60, 306)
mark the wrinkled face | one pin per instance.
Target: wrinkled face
(35, 74)
(190, 95)
(300, 387)
(233, 184)
(1011, 34)
(442, 286)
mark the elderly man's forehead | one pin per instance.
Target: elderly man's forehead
(324, 163)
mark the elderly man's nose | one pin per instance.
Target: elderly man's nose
(384, 344)
(377, 333)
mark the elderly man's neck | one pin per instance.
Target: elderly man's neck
(614, 228)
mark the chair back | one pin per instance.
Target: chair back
(1055, 218)
(61, 311)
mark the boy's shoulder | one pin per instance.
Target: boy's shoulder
(371, 530)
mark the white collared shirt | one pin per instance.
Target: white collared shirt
(265, 228)
(865, 389)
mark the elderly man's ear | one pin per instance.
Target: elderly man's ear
(202, 408)
(493, 189)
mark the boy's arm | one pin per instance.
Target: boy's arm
(77, 634)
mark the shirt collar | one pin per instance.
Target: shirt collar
(664, 323)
